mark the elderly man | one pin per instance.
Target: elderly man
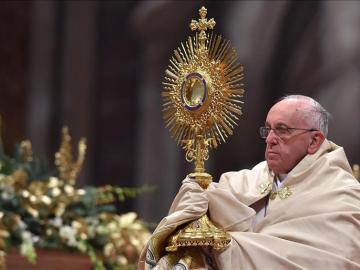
(299, 209)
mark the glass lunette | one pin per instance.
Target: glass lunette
(281, 131)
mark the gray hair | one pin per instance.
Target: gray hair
(316, 113)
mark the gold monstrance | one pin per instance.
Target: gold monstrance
(202, 91)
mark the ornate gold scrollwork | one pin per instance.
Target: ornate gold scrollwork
(202, 102)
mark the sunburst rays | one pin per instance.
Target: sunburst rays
(217, 63)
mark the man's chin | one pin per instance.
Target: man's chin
(273, 167)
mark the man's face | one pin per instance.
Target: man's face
(283, 154)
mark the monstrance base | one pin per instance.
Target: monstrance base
(201, 232)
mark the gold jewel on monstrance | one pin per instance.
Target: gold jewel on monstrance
(202, 102)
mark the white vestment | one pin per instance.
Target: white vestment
(315, 226)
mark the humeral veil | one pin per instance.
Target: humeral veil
(293, 235)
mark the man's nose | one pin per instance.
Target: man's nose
(271, 137)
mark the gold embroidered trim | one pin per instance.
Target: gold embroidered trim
(265, 187)
(283, 193)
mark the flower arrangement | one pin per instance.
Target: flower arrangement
(43, 208)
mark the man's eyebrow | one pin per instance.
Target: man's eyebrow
(279, 124)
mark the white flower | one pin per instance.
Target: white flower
(27, 237)
(35, 238)
(27, 250)
(53, 182)
(69, 234)
(55, 191)
(56, 222)
(21, 224)
(127, 219)
(6, 196)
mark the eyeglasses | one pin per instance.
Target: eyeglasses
(281, 131)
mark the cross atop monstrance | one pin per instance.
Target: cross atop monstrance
(203, 24)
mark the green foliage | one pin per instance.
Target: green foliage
(39, 209)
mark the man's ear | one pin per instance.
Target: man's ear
(316, 141)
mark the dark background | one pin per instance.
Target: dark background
(97, 67)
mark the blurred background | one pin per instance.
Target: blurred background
(97, 67)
